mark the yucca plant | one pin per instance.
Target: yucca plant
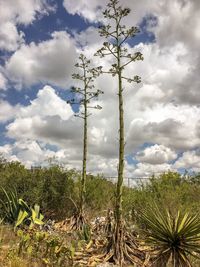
(173, 239)
(16, 211)
(10, 206)
(32, 216)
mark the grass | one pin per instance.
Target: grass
(9, 244)
(9, 251)
(169, 191)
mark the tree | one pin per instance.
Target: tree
(117, 35)
(86, 93)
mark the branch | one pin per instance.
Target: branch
(88, 81)
(107, 54)
(78, 92)
(137, 56)
(101, 53)
(131, 32)
(136, 79)
(124, 40)
(109, 72)
(111, 52)
(127, 63)
(111, 34)
(79, 116)
(106, 33)
(71, 102)
(96, 107)
(88, 100)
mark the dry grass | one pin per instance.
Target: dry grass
(9, 256)
(8, 246)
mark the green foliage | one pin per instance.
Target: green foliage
(171, 237)
(169, 190)
(49, 249)
(57, 186)
(49, 187)
(100, 193)
(85, 233)
(29, 215)
(52, 188)
(36, 217)
(23, 214)
(11, 206)
(24, 238)
(16, 211)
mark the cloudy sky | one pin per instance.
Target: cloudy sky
(40, 41)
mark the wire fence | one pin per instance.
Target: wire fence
(129, 181)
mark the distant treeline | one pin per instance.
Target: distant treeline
(56, 190)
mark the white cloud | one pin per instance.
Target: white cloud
(156, 154)
(7, 111)
(88, 9)
(189, 160)
(10, 38)
(13, 13)
(45, 112)
(167, 125)
(99, 165)
(172, 64)
(5, 150)
(146, 170)
(47, 103)
(49, 119)
(23, 12)
(50, 61)
(89, 37)
(145, 121)
(92, 9)
(174, 17)
(3, 82)
(163, 109)
(34, 153)
(30, 153)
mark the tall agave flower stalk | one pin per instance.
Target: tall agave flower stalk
(86, 93)
(116, 35)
